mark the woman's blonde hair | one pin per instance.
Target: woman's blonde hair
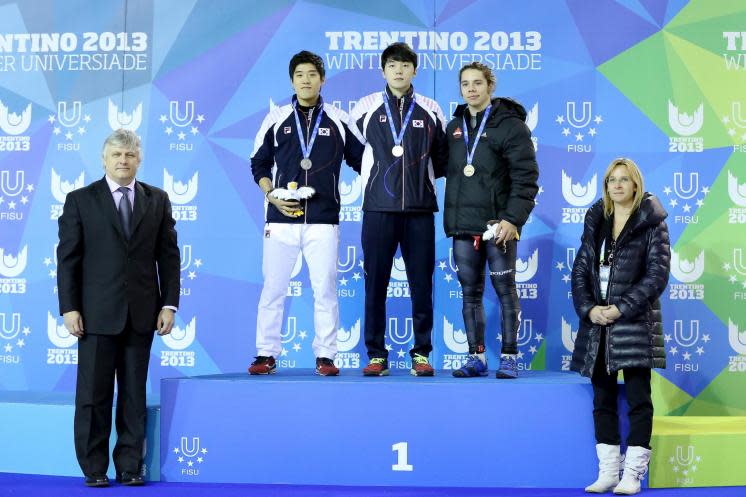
(634, 174)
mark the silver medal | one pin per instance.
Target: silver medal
(306, 164)
(469, 170)
(397, 151)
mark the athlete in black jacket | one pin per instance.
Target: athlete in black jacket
(492, 174)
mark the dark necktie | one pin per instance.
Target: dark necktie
(125, 211)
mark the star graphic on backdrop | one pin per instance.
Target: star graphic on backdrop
(81, 130)
(442, 265)
(705, 190)
(743, 284)
(284, 352)
(687, 356)
(566, 132)
(181, 135)
(197, 262)
(169, 130)
(539, 337)
(180, 459)
(2, 199)
(87, 118)
(194, 130)
(726, 266)
(57, 130)
(400, 353)
(732, 279)
(303, 334)
(52, 273)
(686, 208)
(343, 282)
(700, 203)
(388, 347)
(47, 261)
(51, 119)
(163, 118)
(732, 132)
(592, 132)
(675, 469)
(192, 275)
(706, 337)
(674, 350)
(579, 137)
(532, 349)
(21, 342)
(700, 350)
(8, 347)
(667, 190)
(204, 451)
(24, 200)
(11, 205)
(356, 276)
(176, 450)
(190, 463)
(560, 119)
(566, 278)
(726, 119)
(520, 355)
(448, 277)
(361, 265)
(667, 338)
(671, 460)
(296, 347)
(673, 202)
(199, 460)
(29, 188)
(598, 119)
(26, 330)
(69, 135)
(200, 118)
(560, 266)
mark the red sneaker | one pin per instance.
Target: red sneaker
(326, 367)
(263, 365)
(377, 367)
(420, 366)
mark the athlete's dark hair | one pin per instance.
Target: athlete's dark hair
(399, 52)
(306, 57)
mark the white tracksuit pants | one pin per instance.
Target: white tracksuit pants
(319, 244)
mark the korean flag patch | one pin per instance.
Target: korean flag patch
(418, 123)
(323, 131)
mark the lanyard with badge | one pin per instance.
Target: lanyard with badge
(469, 168)
(397, 150)
(306, 146)
(604, 270)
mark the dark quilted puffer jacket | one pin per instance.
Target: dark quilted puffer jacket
(638, 277)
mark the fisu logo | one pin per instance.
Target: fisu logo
(399, 270)
(181, 338)
(9, 333)
(405, 335)
(17, 188)
(736, 338)
(350, 193)
(455, 340)
(124, 120)
(63, 117)
(350, 261)
(176, 118)
(577, 194)
(178, 192)
(684, 124)
(687, 271)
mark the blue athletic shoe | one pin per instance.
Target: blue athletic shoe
(473, 367)
(508, 367)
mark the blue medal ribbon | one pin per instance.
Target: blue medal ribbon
(397, 138)
(470, 153)
(306, 149)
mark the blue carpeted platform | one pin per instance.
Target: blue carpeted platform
(37, 435)
(297, 428)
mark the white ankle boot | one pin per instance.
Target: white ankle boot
(635, 467)
(609, 463)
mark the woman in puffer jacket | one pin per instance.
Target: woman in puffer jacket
(619, 273)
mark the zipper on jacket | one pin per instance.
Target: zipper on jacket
(608, 328)
(401, 123)
(308, 137)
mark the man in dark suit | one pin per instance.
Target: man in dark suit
(118, 270)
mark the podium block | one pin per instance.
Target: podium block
(297, 428)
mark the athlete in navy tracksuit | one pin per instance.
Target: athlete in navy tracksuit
(302, 143)
(398, 171)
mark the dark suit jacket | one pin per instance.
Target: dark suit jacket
(106, 278)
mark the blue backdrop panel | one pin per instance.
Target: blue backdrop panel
(295, 428)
